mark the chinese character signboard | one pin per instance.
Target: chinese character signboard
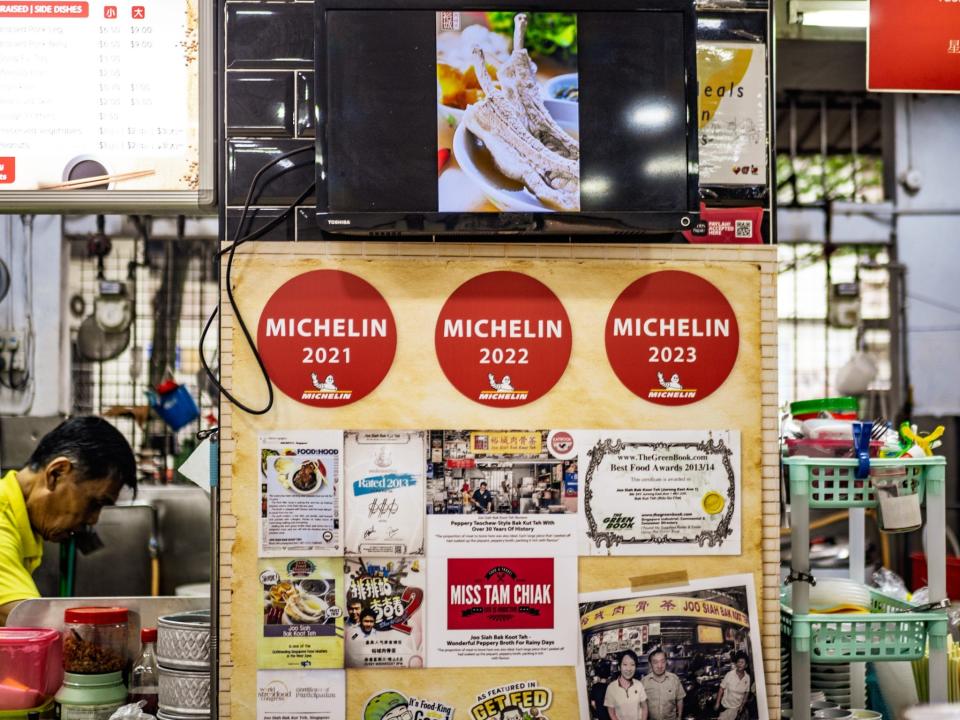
(913, 47)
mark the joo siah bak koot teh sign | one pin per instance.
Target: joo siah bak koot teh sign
(327, 338)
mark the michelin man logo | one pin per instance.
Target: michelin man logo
(672, 384)
(502, 386)
(327, 385)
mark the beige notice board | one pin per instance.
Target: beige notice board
(415, 279)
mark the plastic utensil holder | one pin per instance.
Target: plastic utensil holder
(878, 636)
(830, 483)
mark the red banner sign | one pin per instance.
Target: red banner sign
(503, 339)
(727, 226)
(327, 338)
(672, 337)
(914, 46)
(499, 594)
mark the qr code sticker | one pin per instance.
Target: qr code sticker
(449, 21)
(744, 229)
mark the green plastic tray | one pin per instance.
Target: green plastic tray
(830, 483)
(883, 634)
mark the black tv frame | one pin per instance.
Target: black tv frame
(392, 224)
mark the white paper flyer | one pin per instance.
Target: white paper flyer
(301, 694)
(494, 487)
(383, 492)
(300, 495)
(661, 493)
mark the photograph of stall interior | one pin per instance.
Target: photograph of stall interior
(525, 480)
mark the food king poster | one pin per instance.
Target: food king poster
(501, 610)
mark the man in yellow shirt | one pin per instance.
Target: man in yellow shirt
(76, 470)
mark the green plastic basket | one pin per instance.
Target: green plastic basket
(883, 634)
(830, 483)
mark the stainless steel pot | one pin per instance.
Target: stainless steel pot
(184, 693)
(183, 640)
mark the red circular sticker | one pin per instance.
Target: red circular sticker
(672, 337)
(503, 339)
(327, 338)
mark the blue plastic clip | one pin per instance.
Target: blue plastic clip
(861, 447)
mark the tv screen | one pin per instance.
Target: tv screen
(438, 119)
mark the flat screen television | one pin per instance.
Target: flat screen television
(440, 117)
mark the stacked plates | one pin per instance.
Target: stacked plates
(835, 595)
(833, 681)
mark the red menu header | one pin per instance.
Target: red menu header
(914, 46)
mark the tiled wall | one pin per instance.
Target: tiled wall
(267, 111)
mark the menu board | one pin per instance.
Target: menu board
(101, 103)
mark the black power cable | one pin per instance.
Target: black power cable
(231, 251)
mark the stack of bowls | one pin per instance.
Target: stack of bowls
(835, 595)
(183, 654)
(786, 703)
(833, 681)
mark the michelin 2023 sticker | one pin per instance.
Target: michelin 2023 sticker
(672, 337)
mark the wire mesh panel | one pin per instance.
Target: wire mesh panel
(172, 286)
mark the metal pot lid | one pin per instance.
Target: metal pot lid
(193, 619)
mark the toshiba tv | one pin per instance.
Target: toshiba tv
(447, 118)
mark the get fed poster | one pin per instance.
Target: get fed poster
(500, 610)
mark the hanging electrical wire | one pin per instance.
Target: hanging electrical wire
(230, 251)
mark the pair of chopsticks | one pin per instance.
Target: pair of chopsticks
(82, 183)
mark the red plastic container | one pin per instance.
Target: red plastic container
(918, 574)
(31, 668)
(826, 448)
